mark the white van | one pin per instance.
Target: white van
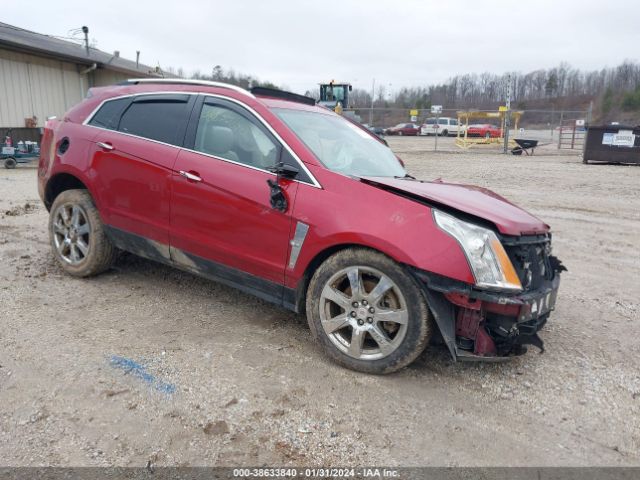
(444, 126)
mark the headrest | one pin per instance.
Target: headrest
(218, 139)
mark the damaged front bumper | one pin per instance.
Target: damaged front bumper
(486, 326)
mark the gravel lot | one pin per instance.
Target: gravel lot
(149, 364)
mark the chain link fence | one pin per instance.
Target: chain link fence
(558, 131)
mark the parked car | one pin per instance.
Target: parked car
(266, 192)
(444, 126)
(485, 130)
(403, 129)
(377, 130)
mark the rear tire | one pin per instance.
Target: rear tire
(10, 163)
(77, 235)
(445, 133)
(367, 312)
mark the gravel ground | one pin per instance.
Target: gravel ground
(149, 365)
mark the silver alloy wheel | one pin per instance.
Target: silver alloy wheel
(71, 231)
(364, 313)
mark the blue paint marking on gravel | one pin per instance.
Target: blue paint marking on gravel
(131, 367)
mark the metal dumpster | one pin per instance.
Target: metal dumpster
(612, 144)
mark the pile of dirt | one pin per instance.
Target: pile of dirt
(21, 210)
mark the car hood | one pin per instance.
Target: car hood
(476, 201)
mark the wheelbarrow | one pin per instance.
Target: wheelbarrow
(526, 146)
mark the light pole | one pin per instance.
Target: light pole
(507, 120)
(373, 94)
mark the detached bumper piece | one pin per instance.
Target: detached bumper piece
(501, 327)
(490, 327)
(485, 326)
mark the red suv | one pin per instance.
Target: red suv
(297, 205)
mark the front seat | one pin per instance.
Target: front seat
(219, 141)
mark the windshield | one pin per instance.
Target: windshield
(341, 146)
(332, 93)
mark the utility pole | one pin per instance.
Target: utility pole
(373, 94)
(507, 119)
(560, 129)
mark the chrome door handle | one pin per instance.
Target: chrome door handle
(106, 146)
(190, 176)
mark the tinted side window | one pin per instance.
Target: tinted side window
(227, 134)
(109, 114)
(161, 118)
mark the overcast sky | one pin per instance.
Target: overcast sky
(299, 43)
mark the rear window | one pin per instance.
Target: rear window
(109, 114)
(430, 121)
(157, 118)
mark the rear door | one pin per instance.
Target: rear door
(222, 221)
(132, 160)
(443, 125)
(432, 126)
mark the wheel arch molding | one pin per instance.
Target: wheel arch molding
(66, 180)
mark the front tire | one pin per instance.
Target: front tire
(77, 235)
(10, 163)
(367, 312)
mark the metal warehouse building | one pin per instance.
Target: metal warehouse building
(42, 76)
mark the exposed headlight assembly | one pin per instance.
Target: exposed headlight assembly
(489, 262)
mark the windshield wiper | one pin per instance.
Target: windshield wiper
(405, 176)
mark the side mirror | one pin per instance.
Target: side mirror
(278, 199)
(284, 170)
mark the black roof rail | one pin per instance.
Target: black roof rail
(275, 93)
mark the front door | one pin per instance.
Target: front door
(222, 221)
